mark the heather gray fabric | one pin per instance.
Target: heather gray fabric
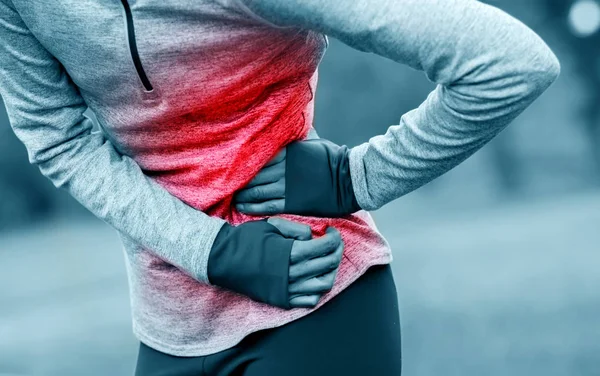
(59, 57)
(488, 66)
(45, 110)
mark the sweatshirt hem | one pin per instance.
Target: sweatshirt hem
(229, 342)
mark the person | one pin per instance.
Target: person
(248, 242)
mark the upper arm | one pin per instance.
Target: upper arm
(453, 41)
(44, 107)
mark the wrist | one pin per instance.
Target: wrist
(217, 249)
(198, 245)
(358, 175)
(318, 180)
(346, 185)
(252, 259)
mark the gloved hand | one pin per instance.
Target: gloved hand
(309, 177)
(275, 261)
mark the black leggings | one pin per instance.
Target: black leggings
(355, 333)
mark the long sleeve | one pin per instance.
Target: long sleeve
(487, 65)
(46, 110)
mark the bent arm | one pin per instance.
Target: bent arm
(46, 110)
(488, 66)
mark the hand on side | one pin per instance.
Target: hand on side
(309, 177)
(276, 261)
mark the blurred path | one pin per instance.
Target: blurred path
(509, 291)
(512, 291)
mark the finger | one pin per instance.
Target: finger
(278, 158)
(317, 266)
(304, 301)
(315, 285)
(267, 175)
(270, 207)
(317, 247)
(260, 193)
(291, 229)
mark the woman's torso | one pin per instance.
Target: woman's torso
(227, 93)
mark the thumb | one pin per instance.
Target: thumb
(291, 229)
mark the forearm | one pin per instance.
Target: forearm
(428, 142)
(489, 67)
(114, 188)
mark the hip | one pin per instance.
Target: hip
(355, 333)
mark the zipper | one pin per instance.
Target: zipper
(133, 48)
(326, 40)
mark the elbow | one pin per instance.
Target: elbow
(540, 67)
(524, 65)
(528, 78)
(527, 58)
(51, 167)
(545, 70)
(507, 88)
(58, 162)
(554, 68)
(532, 79)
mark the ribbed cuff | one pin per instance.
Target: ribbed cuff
(204, 245)
(359, 177)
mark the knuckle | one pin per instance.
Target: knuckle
(272, 207)
(333, 264)
(256, 193)
(291, 276)
(306, 228)
(279, 187)
(325, 285)
(298, 253)
(331, 243)
(295, 249)
(297, 268)
(338, 238)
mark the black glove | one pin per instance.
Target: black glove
(317, 179)
(252, 259)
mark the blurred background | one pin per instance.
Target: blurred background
(497, 263)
